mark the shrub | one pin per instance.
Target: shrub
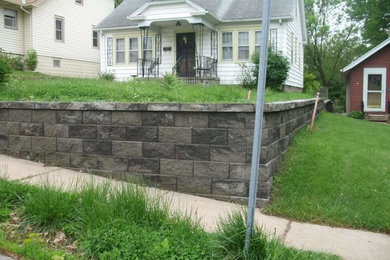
(171, 81)
(246, 77)
(277, 69)
(356, 115)
(31, 60)
(310, 83)
(17, 62)
(5, 68)
(107, 76)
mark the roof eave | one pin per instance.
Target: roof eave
(366, 56)
(257, 19)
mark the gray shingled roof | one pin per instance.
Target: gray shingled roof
(224, 10)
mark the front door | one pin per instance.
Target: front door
(374, 89)
(185, 58)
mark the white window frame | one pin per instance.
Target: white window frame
(245, 46)
(274, 38)
(133, 50)
(15, 19)
(56, 63)
(258, 44)
(120, 51)
(227, 46)
(97, 38)
(62, 19)
(110, 51)
(368, 71)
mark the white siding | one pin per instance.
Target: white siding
(27, 33)
(78, 22)
(294, 30)
(11, 40)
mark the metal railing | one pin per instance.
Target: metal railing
(195, 68)
(147, 68)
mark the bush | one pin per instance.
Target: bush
(17, 62)
(171, 81)
(107, 76)
(356, 115)
(246, 77)
(277, 69)
(31, 60)
(310, 83)
(5, 68)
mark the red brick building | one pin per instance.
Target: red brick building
(368, 81)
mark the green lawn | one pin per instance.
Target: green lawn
(27, 86)
(339, 175)
(122, 223)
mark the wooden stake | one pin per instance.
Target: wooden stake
(313, 118)
(249, 95)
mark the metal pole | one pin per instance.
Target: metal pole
(258, 125)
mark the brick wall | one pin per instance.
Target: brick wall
(202, 149)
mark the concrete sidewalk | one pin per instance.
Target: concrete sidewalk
(349, 244)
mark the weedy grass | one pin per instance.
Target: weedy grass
(339, 175)
(24, 86)
(125, 222)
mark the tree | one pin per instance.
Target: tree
(374, 17)
(330, 47)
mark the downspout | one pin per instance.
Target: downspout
(30, 15)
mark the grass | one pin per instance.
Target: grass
(126, 223)
(339, 175)
(29, 86)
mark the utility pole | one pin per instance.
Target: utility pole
(258, 125)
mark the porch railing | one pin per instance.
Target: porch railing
(147, 68)
(195, 68)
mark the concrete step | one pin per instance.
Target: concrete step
(377, 117)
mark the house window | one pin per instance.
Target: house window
(95, 39)
(243, 45)
(10, 19)
(133, 47)
(148, 47)
(227, 45)
(257, 41)
(59, 25)
(120, 50)
(56, 63)
(109, 51)
(274, 38)
(80, 2)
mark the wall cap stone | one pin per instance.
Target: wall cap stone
(166, 107)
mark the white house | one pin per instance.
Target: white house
(61, 31)
(198, 38)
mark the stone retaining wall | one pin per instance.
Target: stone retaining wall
(203, 149)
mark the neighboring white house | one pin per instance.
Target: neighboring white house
(61, 31)
(198, 38)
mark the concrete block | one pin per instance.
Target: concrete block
(31, 129)
(144, 165)
(82, 131)
(240, 171)
(209, 136)
(57, 159)
(67, 145)
(43, 116)
(193, 152)
(19, 115)
(19, 142)
(44, 144)
(228, 153)
(69, 117)
(231, 188)
(158, 119)
(176, 167)
(114, 164)
(97, 147)
(219, 170)
(200, 120)
(3, 141)
(159, 181)
(142, 133)
(36, 156)
(127, 118)
(55, 130)
(227, 120)
(84, 161)
(158, 150)
(174, 134)
(3, 114)
(12, 128)
(240, 136)
(111, 132)
(196, 185)
(127, 149)
(97, 117)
